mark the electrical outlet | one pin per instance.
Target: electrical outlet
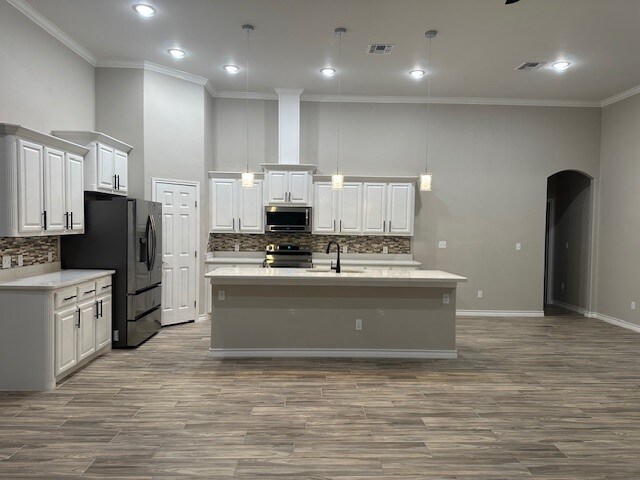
(345, 249)
(518, 247)
(358, 324)
(562, 286)
(445, 298)
(385, 249)
(480, 294)
(6, 261)
(116, 335)
(236, 247)
(566, 245)
(633, 305)
(222, 295)
(442, 244)
(50, 257)
(20, 260)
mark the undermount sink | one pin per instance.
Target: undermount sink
(327, 270)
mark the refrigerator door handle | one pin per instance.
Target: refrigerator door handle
(147, 242)
(154, 236)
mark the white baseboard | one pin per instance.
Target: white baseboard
(499, 313)
(329, 353)
(202, 318)
(572, 308)
(616, 321)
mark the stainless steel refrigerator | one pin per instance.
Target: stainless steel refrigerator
(123, 234)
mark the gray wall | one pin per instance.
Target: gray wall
(43, 84)
(572, 225)
(490, 166)
(618, 278)
(119, 113)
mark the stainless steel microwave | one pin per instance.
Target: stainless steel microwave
(287, 219)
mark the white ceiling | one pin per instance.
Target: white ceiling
(480, 42)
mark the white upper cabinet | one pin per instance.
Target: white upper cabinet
(325, 210)
(368, 208)
(30, 188)
(74, 192)
(54, 191)
(40, 183)
(375, 203)
(250, 208)
(400, 208)
(107, 164)
(289, 187)
(350, 209)
(235, 209)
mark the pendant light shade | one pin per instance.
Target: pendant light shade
(248, 179)
(425, 182)
(426, 177)
(337, 179)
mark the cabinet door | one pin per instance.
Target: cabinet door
(106, 170)
(74, 191)
(54, 201)
(350, 221)
(299, 185)
(400, 208)
(223, 194)
(251, 209)
(277, 187)
(375, 203)
(30, 187)
(103, 322)
(325, 210)
(120, 170)
(66, 347)
(87, 329)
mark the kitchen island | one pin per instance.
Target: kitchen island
(284, 312)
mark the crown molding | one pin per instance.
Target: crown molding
(620, 96)
(44, 23)
(154, 67)
(209, 87)
(408, 99)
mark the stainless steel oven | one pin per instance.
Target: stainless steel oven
(287, 219)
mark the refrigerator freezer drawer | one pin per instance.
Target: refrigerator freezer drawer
(140, 303)
(144, 327)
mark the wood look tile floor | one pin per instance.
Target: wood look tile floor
(546, 398)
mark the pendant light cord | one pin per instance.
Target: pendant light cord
(426, 161)
(340, 35)
(247, 32)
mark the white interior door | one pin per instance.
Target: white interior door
(54, 200)
(30, 187)
(179, 245)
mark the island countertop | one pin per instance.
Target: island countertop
(320, 277)
(55, 280)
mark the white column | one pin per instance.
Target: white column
(289, 125)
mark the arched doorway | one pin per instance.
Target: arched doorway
(568, 243)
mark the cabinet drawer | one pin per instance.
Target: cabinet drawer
(86, 290)
(66, 297)
(103, 285)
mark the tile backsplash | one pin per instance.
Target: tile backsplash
(226, 242)
(35, 250)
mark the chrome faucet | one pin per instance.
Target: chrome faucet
(337, 267)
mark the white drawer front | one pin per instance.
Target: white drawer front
(103, 285)
(66, 297)
(86, 290)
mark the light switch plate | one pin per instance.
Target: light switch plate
(445, 298)
(20, 260)
(442, 244)
(385, 249)
(358, 324)
(518, 247)
(480, 294)
(222, 295)
(633, 305)
(6, 261)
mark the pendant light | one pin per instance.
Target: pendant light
(337, 179)
(426, 177)
(248, 180)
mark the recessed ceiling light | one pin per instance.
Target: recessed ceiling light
(417, 73)
(176, 52)
(144, 10)
(232, 69)
(328, 71)
(560, 66)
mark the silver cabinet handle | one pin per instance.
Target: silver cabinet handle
(239, 224)
(340, 225)
(389, 226)
(334, 225)
(384, 225)
(233, 225)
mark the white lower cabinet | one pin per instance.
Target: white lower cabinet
(66, 345)
(87, 329)
(103, 322)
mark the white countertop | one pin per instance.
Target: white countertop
(360, 259)
(301, 276)
(55, 280)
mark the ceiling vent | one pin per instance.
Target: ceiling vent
(530, 66)
(379, 49)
